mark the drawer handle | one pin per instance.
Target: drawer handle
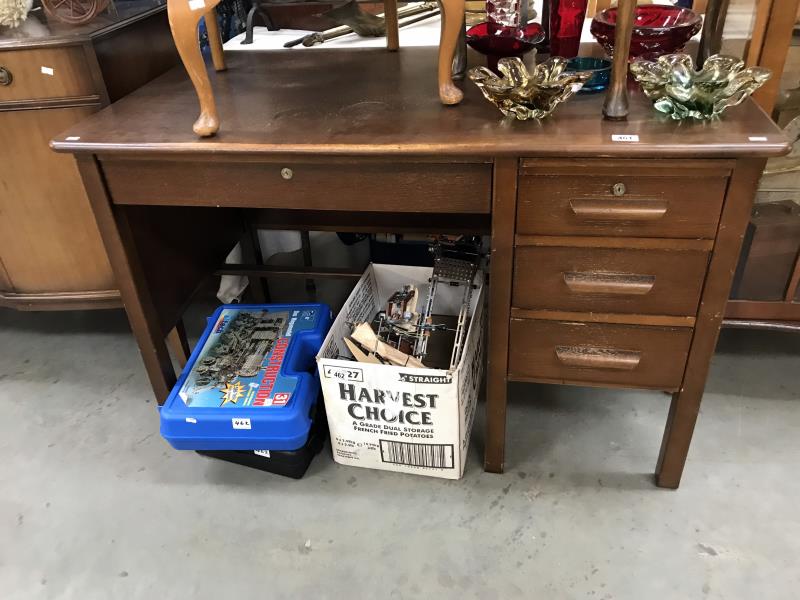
(609, 283)
(602, 209)
(5, 76)
(598, 358)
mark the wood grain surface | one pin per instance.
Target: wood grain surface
(613, 280)
(685, 204)
(48, 237)
(386, 186)
(504, 198)
(685, 404)
(550, 350)
(375, 102)
(70, 76)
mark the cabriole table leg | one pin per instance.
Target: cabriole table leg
(184, 15)
(452, 23)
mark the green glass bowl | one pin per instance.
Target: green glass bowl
(682, 92)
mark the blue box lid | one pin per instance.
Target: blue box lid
(251, 381)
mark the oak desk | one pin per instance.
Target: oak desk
(611, 261)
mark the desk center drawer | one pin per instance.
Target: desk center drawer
(347, 184)
(608, 280)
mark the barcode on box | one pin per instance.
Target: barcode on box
(434, 456)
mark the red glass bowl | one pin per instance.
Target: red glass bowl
(657, 29)
(497, 42)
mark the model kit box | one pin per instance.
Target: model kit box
(411, 420)
(250, 382)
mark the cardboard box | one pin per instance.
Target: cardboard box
(402, 419)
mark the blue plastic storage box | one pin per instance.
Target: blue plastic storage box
(251, 382)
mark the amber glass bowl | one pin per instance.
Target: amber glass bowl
(657, 30)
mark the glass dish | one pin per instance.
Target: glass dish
(600, 68)
(679, 91)
(496, 42)
(525, 95)
(658, 29)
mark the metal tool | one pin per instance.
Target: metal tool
(320, 37)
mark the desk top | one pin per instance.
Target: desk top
(373, 102)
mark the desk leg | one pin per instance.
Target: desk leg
(503, 222)
(129, 276)
(179, 344)
(686, 403)
(452, 23)
(183, 23)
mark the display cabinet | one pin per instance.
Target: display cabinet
(52, 75)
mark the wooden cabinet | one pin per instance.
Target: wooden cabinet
(51, 254)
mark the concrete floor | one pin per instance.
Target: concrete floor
(95, 504)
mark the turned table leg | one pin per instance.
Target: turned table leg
(183, 19)
(392, 25)
(452, 23)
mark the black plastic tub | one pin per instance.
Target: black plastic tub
(289, 463)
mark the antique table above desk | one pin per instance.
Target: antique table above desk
(611, 261)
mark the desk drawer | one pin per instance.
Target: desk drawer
(620, 201)
(43, 73)
(593, 353)
(609, 280)
(343, 185)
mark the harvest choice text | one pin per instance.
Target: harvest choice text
(362, 400)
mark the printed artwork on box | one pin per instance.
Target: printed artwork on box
(240, 363)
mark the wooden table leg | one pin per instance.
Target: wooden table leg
(179, 343)
(183, 20)
(129, 277)
(503, 223)
(392, 26)
(686, 403)
(251, 253)
(215, 40)
(452, 22)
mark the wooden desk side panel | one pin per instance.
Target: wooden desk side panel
(179, 249)
(686, 403)
(502, 259)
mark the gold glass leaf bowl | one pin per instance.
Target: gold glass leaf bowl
(678, 90)
(525, 95)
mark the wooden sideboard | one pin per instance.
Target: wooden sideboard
(53, 75)
(611, 261)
